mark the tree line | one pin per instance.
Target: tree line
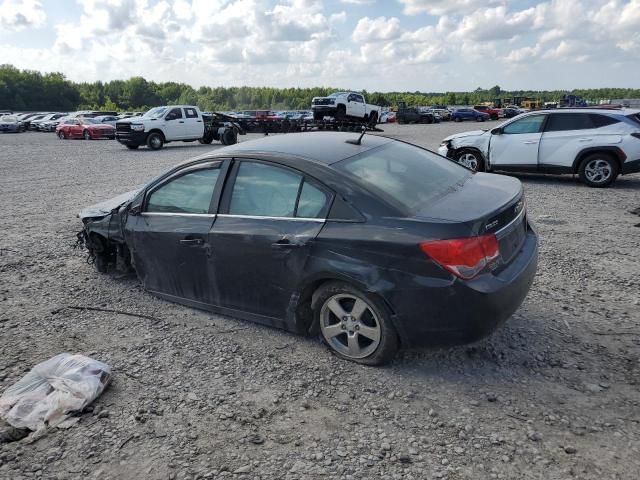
(26, 90)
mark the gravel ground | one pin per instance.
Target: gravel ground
(553, 394)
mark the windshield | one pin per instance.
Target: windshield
(404, 175)
(87, 121)
(337, 94)
(155, 112)
(8, 118)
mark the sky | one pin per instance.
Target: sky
(377, 45)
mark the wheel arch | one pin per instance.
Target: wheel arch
(305, 299)
(613, 151)
(157, 130)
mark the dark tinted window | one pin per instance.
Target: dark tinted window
(560, 122)
(313, 202)
(191, 113)
(601, 120)
(404, 175)
(174, 113)
(189, 193)
(264, 190)
(531, 124)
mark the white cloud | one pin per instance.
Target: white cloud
(21, 14)
(359, 2)
(372, 29)
(441, 7)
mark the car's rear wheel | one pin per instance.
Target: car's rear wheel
(155, 141)
(86, 135)
(470, 159)
(61, 135)
(355, 325)
(598, 170)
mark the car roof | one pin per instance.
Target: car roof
(323, 147)
(601, 110)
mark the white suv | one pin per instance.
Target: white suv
(597, 144)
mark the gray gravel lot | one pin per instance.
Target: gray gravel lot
(554, 394)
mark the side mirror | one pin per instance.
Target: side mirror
(135, 209)
(497, 131)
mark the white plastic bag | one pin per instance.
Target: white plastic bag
(52, 389)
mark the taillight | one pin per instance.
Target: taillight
(464, 257)
(636, 134)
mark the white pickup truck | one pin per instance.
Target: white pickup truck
(171, 123)
(345, 106)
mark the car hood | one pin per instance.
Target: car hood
(473, 133)
(105, 208)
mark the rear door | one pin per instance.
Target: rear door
(170, 249)
(260, 242)
(567, 134)
(517, 146)
(193, 123)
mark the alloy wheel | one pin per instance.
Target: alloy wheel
(469, 160)
(350, 325)
(598, 171)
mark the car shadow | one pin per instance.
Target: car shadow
(626, 182)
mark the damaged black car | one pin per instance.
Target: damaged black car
(371, 243)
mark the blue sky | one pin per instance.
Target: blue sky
(385, 45)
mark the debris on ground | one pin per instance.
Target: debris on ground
(53, 389)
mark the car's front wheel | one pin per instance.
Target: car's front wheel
(598, 170)
(86, 135)
(470, 159)
(155, 141)
(355, 325)
(61, 135)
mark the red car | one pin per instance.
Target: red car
(86, 128)
(494, 113)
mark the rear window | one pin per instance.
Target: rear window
(635, 117)
(404, 175)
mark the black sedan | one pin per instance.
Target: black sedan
(374, 245)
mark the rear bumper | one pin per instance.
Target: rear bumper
(632, 166)
(131, 138)
(458, 312)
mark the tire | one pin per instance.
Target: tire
(341, 113)
(229, 137)
(457, 119)
(472, 159)
(61, 135)
(133, 147)
(155, 141)
(344, 334)
(101, 262)
(86, 135)
(598, 170)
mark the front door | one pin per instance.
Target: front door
(518, 144)
(356, 105)
(270, 216)
(175, 126)
(170, 236)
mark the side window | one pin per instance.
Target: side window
(560, 122)
(191, 113)
(174, 113)
(188, 193)
(602, 120)
(531, 124)
(359, 98)
(264, 190)
(313, 202)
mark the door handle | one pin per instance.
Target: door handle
(586, 140)
(181, 121)
(192, 241)
(285, 243)
(531, 142)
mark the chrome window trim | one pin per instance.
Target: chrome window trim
(176, 214)
(263, 217)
